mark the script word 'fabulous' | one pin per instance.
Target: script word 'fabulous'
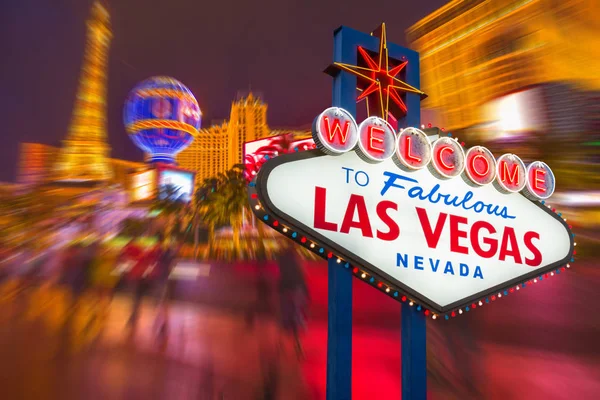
(336, 132)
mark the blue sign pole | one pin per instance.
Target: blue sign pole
(339, 317)
(413, 328)
(339, 334)
(414, 359)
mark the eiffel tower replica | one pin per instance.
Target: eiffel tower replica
(83, 158)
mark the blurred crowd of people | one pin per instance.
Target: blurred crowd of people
(91, 267)
(96, 267)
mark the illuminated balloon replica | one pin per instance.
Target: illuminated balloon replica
(162, 117)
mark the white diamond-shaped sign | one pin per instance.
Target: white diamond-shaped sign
(443, 242)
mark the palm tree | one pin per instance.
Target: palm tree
(203, 211)
(223, 200)
(232, 200)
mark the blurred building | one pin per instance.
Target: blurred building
(475, 53)
(83, 156)
(247, 122)
(219, 147)
(8, 188)
(121, 171)
(36, 161)
(208, 154)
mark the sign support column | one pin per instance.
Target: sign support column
(414, 355)
(413, 328)
(339, 333)
(339, 318)
(339, 346)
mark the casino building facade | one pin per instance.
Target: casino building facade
(221, 146)
(474, 54)
(36, 161)
(207, 155)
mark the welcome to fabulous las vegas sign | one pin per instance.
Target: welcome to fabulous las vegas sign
(418, 217)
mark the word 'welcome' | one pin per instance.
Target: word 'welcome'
(336, 132)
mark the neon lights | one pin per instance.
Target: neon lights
(162, 117)
(511, 177)
(540, 181)
(160, 123)
(510, 174)
(413, 150)
(336, 128)
(537, 182)
(407, 153)
(480, 166)
(164, 92)
(335, 131)
(373, 133)
(474, 163)
(379, 82)
(448, 158)
(376, 140)
(440, 157)
(84, 155)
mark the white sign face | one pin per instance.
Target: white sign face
(443, 241)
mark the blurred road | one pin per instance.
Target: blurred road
(223, 343)
(208, 354)
(538, 343)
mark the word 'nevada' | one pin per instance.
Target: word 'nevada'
(403, 259)
(336, 132)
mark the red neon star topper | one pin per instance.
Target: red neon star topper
(378, 81)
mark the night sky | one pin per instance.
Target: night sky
(216, 48)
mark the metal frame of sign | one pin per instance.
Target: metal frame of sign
(293, 229)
